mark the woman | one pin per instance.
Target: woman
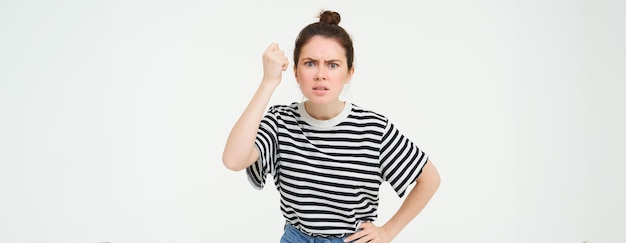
(328, 157)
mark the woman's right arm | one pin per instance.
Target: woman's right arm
(239, 152)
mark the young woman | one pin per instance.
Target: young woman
(328, 157)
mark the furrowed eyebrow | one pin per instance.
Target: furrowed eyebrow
(316, 60)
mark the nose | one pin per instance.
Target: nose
(320, 75)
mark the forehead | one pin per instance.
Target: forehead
(319, 47)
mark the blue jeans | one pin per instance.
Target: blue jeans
(293, 235)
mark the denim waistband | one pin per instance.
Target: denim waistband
(299, 236)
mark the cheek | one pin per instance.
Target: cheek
(341, 77)
(303, 76)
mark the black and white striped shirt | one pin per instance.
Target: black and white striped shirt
(328, 173)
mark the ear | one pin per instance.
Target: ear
(295, 73)
(349, 77)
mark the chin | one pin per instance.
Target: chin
(320, 100)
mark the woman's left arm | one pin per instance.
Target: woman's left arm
(426, 186)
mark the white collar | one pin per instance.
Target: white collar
(324, 123)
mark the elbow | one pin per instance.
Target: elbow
(235, 160)
(231, 163)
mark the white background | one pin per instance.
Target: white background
(114, 115)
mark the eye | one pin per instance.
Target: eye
(309, 64)
(333, 65)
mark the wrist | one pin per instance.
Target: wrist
(269, 79)
(266, 88)
(390, 233)
(270, 82)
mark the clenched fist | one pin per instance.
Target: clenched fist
(274, 63)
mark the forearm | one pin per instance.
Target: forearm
(240, 144)
(416, 200)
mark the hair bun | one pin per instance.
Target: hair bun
(330, 17)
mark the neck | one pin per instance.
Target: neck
(324, 111)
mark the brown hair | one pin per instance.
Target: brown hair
(328, 27)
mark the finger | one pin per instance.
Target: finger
(365, 225)
(366, 237)
(360, 233)
(272, 47)
(363, 240)
(355, 236)
(285, 63)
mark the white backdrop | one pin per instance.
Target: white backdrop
(114, 115)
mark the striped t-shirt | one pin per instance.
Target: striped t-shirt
(328, 172)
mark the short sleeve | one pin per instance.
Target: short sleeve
(401, 160)
(267, 145)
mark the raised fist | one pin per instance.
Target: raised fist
(274, 63)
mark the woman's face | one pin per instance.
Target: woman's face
(322, 70)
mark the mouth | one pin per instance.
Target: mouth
(320, 88)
